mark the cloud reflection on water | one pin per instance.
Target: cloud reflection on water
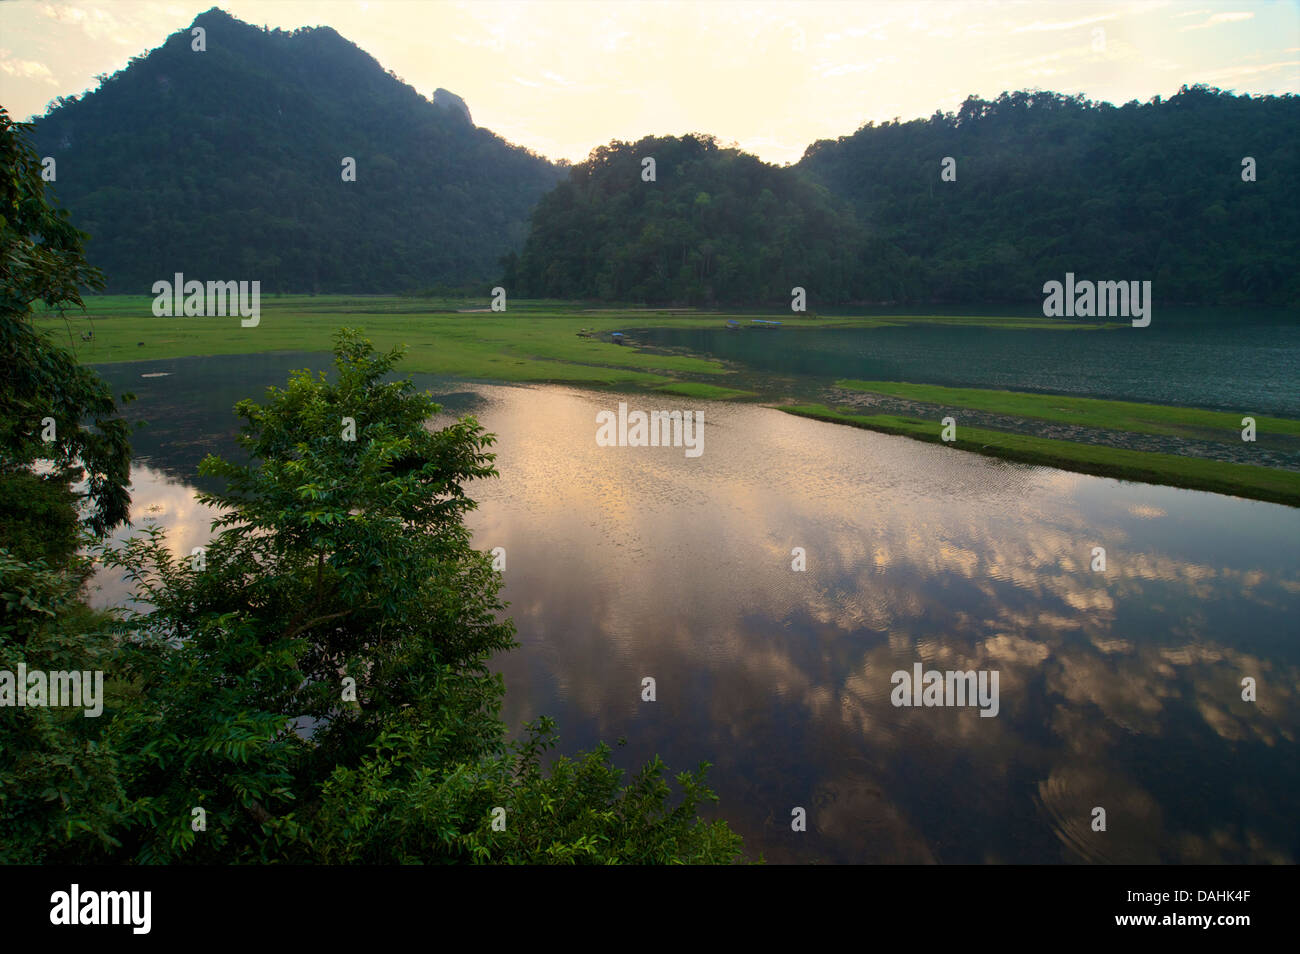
(1119, 689)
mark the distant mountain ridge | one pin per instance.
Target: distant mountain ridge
(227, 164)
(1044, 184)
(1198, 194)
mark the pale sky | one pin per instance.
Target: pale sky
(564, 77)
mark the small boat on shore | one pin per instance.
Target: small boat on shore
(618, 337)
(732, 324)
(761, 323)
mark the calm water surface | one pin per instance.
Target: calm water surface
(1118, 689)
(1247, 362)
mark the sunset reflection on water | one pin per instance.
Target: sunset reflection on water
(1119, 689)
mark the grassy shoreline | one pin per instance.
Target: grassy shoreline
(535, 341)
(1241, 480)
(1160, 419)
(568, 343)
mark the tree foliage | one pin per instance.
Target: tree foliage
(1047, 183)
(58, 784)
(716, 225)
(314, 684)
(41, 259)
(318, 682)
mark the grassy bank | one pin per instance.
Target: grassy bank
(532, 345)
(568, 343)
(1242, 480)
(533, 341)
(1085, 412)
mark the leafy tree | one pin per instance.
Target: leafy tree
(314, 685)
(42, 259)
(58, 784)
(318, 683)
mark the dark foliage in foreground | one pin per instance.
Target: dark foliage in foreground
(313, 686)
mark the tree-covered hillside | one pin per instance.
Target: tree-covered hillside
(1047, 184)
(715, 225)
(1044, 184)
(226, 164)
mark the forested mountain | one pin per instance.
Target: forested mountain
(715, 225)
(226, 164)
(1047, 184)
(1044, 184)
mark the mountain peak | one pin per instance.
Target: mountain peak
(214, 15)
(446, 99)
(265, 122)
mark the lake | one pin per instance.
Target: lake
(1118, 689)
(1245, 361)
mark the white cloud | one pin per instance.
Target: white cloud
(98, 24)
(826, 70)
(1236, 72)
(558, 79)
(1038, 25)
(28, 69)
(1217, 19)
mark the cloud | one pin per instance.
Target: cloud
(1038, 25)
(98, 24)
(825, 70)
(1217, 19)
(1236, 72)
(28, 69)
(558, 79)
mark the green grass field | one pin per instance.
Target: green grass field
(533, 341)
(540, 341)
(529, 344)
(1086, 412)
(1243, 480)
